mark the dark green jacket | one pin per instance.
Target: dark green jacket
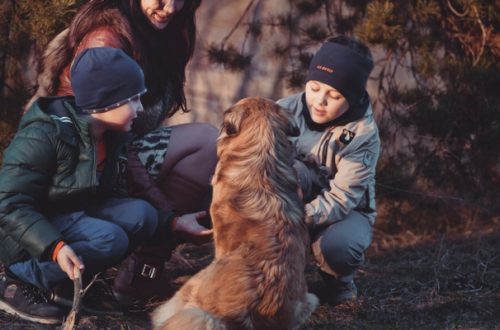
(50, 168)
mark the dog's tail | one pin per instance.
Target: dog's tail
(193, 319)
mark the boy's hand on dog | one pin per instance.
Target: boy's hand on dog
(69, 261)
(189, 228)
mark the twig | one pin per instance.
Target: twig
(484, 36)
(78, 294)
(235, 27)
(69, 323)
(466, 11)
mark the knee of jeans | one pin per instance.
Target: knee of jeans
(147, 218)
(142, 219)
(341, 255)
(113, 244)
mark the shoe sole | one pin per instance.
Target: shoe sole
(69, 303)
(124, 300)
(38, 319)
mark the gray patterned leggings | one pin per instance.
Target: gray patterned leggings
(152, 149)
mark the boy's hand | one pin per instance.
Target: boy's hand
(187, 226)
(69, 261)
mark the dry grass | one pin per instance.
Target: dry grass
(449, 281)
(446, 282)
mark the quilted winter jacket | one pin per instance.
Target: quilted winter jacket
(55, 80)
(348, 153)
(50, 168)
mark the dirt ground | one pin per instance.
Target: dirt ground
(447, 281)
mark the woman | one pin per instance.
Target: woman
(168, 166)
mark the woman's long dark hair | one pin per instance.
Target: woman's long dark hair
(162, 54)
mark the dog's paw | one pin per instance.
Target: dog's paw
(312, 301)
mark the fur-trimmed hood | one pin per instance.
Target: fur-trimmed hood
(66, 45)
(111, 29)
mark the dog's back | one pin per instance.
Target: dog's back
(257, 279)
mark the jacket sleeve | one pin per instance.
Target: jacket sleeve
(28, 166)
(355, 172)
(141, 185)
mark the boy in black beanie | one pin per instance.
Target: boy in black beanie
(63, 203)
(337, 151)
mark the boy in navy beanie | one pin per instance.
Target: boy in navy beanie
(63, 203)
(337, 149)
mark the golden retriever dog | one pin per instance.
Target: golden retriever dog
(257, 278)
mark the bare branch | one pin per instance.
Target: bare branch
(455, 11)
(69, 323)
(78, 294)
(235, 27)
(483, 35)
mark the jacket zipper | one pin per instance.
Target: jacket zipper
(323, 148)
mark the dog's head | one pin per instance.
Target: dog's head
(254, 147)
(257, 118)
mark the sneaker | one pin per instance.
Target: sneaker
(341, 293)
(98, 300)
(27, 302)
(332, 292)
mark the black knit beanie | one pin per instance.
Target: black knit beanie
(104, 78)
(343, 69)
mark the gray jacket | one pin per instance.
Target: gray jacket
(347, 156)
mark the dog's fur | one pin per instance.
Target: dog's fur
(257, 279)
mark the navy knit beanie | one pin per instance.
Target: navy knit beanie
(104, 78)
(343, 69)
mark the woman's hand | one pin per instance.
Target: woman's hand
(188, 227)
(69, 261)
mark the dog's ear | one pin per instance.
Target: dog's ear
(291, 128)
(232, 120)
(229, 128)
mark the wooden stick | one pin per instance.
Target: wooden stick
(78, 294)
(69, 323)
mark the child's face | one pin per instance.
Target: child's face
(122, 117)
(325, 103)
(160, 12)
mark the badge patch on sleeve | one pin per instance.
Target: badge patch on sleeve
(368, 158)
(346, 136)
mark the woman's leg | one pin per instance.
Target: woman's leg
(171, 167)
(188, 167)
